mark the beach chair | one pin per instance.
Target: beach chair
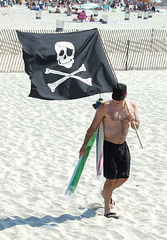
(150, 14)
(95, 12)
(139, 14)
(145, 15)
(127, 16)
(126, 9)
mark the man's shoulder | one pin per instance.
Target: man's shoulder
(109, 102)
(130, 103)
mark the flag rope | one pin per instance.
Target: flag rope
(117, 81)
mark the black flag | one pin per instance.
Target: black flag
(66, 65)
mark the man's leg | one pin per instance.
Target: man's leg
(109, 186)
(118, 182)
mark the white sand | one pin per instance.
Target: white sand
(39, 144)
(21, 17)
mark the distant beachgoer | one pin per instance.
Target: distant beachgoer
(104, 3)
(153, 7)
(4, 3)
(75, 11)
(106, 7)
(82, 16)
(112, 4)
(46, 4)
(58, 9)
(69, 11)
(92, 18)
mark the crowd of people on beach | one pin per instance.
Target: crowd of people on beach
(10, 3)
(130, 5)
(69, 6)
(105, 5)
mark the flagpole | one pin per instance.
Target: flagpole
(117, 81)
(134, 126)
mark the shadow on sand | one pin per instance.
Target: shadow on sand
(47, 220)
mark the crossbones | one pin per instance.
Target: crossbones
(54, 85)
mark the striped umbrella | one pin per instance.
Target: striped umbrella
(144, 1)
(153, 1)
(87, 6)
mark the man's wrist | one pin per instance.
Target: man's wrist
(89, 133)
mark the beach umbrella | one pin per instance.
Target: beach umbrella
(157, 1)
(144, 1)
(152, 1)
(87, 6)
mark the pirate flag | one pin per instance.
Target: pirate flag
(67, 65)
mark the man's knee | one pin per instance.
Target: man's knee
(122, 180)
(110, 181)
(118, 181)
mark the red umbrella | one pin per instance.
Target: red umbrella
(144, 1)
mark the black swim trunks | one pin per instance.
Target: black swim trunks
(116, 160)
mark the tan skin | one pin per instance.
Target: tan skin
(116, 119)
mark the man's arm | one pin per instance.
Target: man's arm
(133, 117)
(135, 123)
(97, 119)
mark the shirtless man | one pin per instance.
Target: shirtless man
(116, 119)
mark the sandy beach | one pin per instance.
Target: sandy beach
(20, 17)
(40, 141)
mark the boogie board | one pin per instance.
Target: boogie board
(79, 168)
(99, 149)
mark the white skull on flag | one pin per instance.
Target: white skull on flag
(65, 54)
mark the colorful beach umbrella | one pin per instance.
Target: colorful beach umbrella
(88, 6)
(144, 1)
(153, 1)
